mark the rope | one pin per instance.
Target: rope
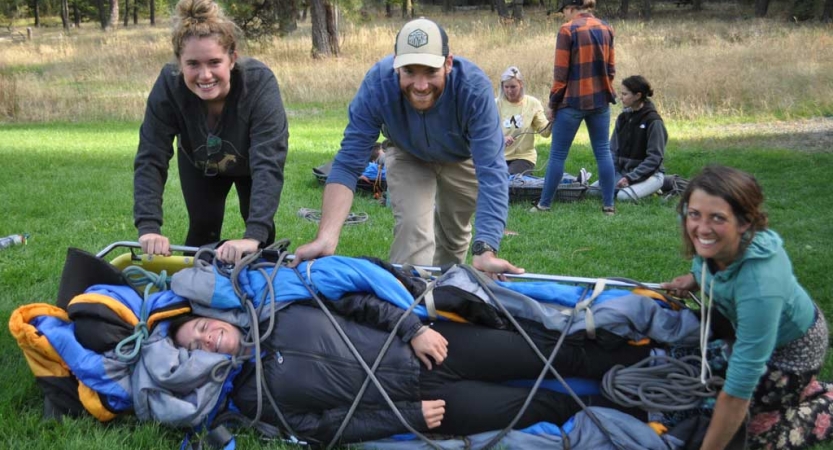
(371, 375)
(547, 365)
(705, 325)
(314, 215)
(659, 383)
(138, 277)
(254, 337)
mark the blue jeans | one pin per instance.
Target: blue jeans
(567, 121)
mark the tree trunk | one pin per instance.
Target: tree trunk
(102, 14)
(518, 11)
(135, 13)
(126, 12)
(76, 14)
(697, 5)
(287, 11)
(152, 12)
(827, 13)
(624, 5)
(803, 10)
(113, 21)
(388, 9)
(646, 9)
(332, 28)
(65, 14)
(407, 9)
(320, 33)
(502, 10)
(761, 6)
(36, 12)
(448, 5)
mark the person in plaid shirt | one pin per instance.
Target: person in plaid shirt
(582, 90)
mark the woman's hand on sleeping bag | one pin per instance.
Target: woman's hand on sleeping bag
(493, 266)
(155, 244)
(681, 285)
(430, 343)
(233, 251)
(433, 411)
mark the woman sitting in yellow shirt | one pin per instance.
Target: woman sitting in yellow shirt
(522, 116)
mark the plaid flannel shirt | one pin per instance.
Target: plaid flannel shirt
(584, 65)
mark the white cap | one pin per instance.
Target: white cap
(420, 41)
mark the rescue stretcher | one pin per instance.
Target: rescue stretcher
(119, 258)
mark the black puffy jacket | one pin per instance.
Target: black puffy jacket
(314, 377)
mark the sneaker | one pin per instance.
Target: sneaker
(609, 210)
(538, 208)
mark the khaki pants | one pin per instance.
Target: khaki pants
(432, 204)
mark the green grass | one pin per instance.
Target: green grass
(71, 185)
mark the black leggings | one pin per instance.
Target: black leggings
(205, 199)
(517, 166)
(481, 359)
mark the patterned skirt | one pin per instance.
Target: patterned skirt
(791, 409)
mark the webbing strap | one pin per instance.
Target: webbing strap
(584, 305)
(428, 297)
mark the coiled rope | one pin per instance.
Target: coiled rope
(314, 215)
(660, 383)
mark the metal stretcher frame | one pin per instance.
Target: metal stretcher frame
(173, 263)
(151, 262)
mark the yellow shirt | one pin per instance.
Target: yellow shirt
(521, 121)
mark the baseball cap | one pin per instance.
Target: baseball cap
(420, 41)
(566, 3)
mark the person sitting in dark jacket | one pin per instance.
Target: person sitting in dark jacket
(448, 377)
(638, 142)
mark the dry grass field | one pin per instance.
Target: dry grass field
(703, 66)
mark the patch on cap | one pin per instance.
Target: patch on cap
(420, 42)
(417, 38)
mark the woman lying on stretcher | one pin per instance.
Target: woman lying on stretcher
(447, 378)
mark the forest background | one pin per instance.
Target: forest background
(734, 88)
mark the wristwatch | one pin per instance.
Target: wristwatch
(480, 247)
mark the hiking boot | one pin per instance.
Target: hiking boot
(538, 208)
(609, 210)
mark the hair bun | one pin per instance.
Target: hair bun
(192, 12)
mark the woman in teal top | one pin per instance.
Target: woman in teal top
(780, 335)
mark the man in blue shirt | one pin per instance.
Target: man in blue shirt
(445, 163)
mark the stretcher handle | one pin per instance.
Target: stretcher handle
(136, 245)
(432, 269)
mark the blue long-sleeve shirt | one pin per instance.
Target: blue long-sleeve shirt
(464, 123)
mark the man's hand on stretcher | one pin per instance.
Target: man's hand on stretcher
(315, 249)
(494, 267)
